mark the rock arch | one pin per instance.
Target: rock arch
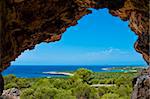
(25, 23)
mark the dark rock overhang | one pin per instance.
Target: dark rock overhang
(25, 23)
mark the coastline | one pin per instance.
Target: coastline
(59, 73)
(63, 71)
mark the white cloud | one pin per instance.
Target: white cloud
(106, 52)
(105, 56)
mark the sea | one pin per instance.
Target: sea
(36, 71)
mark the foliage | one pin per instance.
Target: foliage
(75, 87)
(110, 96)
(84, 74)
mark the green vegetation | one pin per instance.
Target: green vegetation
(127, 68)
(74, 87)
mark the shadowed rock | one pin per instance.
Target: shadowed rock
(142, 85)
(25, 23)
(1, 84)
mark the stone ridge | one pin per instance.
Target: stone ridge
(25, 23)
(142, 85)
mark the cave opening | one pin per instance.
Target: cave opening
(97, 39)
(26, 23)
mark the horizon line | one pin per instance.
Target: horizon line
(82, 65)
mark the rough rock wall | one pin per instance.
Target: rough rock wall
(25, 23)
(1, 84)
(142, 85)
(137, 12)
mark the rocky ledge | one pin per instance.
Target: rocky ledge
(142, 85)
(11, 94)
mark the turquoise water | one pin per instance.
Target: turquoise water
(37, 71)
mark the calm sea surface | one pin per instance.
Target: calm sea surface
(37, 71)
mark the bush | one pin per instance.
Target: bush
(74, 87)
(85, 91)
(110, 96)
(27, 93)
(84, 74)
(64, 94)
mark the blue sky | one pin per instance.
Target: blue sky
(97, 39)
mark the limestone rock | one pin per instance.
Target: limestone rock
(142, 85)
(13, 93)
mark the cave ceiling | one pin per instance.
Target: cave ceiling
(25, 23)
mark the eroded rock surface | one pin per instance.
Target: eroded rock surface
(142, 85)
(25, 23)
(13, 93)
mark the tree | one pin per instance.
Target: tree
(10, 78)
(42, 82)
(110, 96)
(11, 85)
(85, 74)
(23, 83)
(60, 83)
(85, 91)
(45, 92)
(64, 94)
(27, 93)
(124, 91)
